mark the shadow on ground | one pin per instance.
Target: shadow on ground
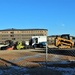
(68, 52)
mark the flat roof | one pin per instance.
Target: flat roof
(13, 29)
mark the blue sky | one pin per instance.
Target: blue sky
(58, 16)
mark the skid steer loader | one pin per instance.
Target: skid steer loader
(64, 41)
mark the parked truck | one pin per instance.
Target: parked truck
(38, 41)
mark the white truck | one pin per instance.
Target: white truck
(39, 41)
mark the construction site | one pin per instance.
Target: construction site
(41, 55)
(36, 62)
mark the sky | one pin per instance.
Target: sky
(58, 16)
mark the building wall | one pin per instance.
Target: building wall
(51, 39)
(21, 34)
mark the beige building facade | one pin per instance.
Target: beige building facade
(20, 34)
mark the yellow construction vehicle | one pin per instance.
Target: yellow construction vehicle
(64, 41)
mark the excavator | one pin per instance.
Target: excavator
(64, 41)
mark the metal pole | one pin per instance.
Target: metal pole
(46, 56)
(46, 51)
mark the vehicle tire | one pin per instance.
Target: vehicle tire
(41, 46)
(34, 46)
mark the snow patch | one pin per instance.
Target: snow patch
(65, 71)
(14, 70)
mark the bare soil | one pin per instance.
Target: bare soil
(30, 58)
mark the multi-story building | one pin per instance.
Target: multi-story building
(20, 34)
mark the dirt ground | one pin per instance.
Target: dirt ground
(29, 57)
(32, 59)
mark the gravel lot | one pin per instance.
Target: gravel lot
(27, 62)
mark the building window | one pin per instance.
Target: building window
(13, 38)
(4, 32)
(12, 35)
(73, 38)
(4, 35)
(4, 38)
(12, 32)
